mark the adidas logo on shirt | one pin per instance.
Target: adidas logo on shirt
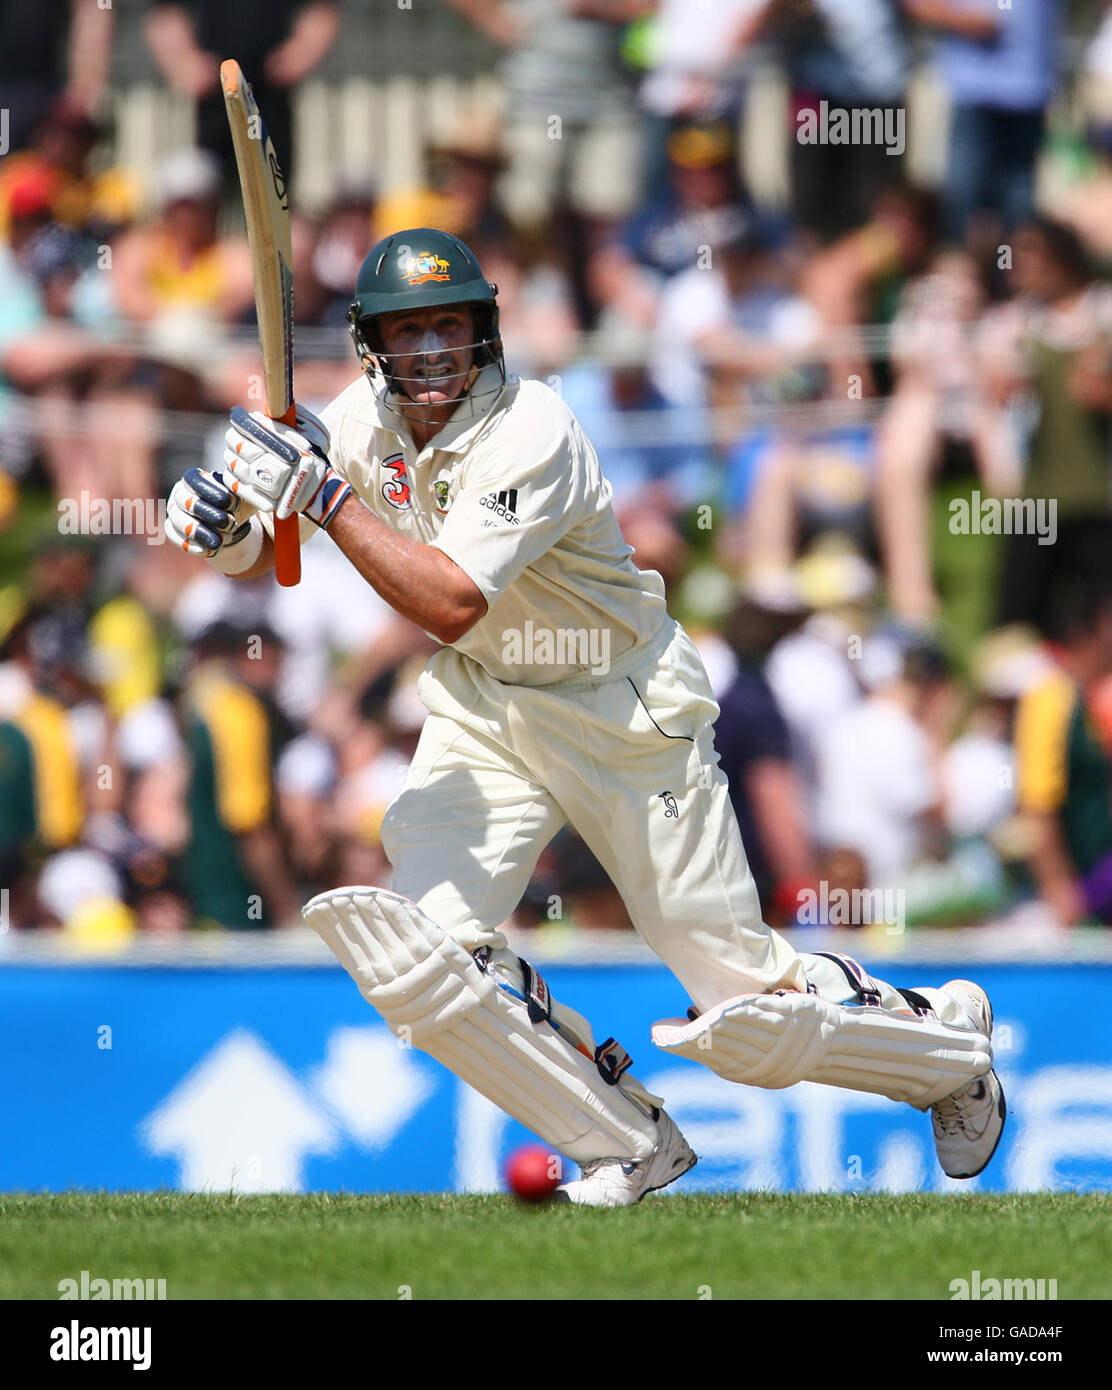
(503, 504)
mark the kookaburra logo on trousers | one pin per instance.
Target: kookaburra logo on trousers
(671, 810)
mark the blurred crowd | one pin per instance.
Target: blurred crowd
(863, 431)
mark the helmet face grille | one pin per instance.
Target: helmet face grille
(486, 350)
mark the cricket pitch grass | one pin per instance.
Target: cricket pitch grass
(731, 1246)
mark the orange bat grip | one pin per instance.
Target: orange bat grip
(287, 536)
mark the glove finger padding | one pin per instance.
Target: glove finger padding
(203, 513)
(274, 466)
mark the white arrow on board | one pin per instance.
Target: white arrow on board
(371, 1083)
(240, 1121)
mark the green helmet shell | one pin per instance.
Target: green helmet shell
(415, 269)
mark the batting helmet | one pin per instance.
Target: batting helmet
(415, 269)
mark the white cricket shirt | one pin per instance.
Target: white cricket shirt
(516, 498)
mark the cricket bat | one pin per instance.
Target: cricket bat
(267, 209)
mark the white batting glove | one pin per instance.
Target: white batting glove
(281, 468)
(205, 517)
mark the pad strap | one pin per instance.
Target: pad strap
(862, 983)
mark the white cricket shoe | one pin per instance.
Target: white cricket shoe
(614, 1182)
(968, 1124)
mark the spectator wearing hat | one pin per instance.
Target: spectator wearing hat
(700, 206)
(695, 74)
(464, 164)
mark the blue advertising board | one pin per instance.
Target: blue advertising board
(281, 1078)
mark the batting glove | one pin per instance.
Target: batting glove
(284, 469)
(205, 516)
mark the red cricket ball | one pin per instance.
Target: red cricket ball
(533, 1172)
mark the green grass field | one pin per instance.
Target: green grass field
(737, 1247)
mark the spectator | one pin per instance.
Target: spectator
(42, 805)
(694, 69)
(999, 65)
(939, 415)
(1049, 348)
(879, 774)
(1065, 774)
(93, 408)
(47, 52)
(342, 242)
(563, 65)
(234, 868)
(754, 746)
(648, 446)
(844, 56)
(813, 670)
(178, 263)
(278, 43)
(699, 206)
(733, 331)
(859, 279)
(91, 201)
(460, 195)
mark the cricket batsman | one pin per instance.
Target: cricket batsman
(473, 503)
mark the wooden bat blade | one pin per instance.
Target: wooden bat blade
(266, 210)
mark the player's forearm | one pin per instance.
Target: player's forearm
(416, 580)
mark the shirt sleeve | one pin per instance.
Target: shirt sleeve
(522, 490)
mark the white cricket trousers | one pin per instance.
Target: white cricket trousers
(629, 761)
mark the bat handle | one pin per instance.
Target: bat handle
(287, 533)
(287, 551)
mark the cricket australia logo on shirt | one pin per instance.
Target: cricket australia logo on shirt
(396, 488)
(441, 491)
(503, 504)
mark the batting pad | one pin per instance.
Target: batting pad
(433, 995)
(775, 1040)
